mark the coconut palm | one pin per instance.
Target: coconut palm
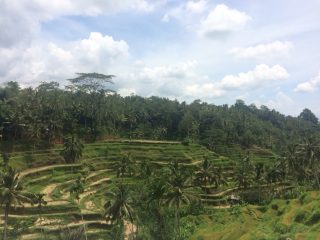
(179, 193)
(72, 149)
(145, 169)
(309, 155)
(156, 192)
(39, 200)
(118, 207)
(244, 172)
(71, 234)
(204, 173)
(75, 190)
(11, 193)
(5, 159)
(126, 166)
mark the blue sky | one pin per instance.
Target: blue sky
(264, 52)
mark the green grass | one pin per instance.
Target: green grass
(281, 219)
(298, 218)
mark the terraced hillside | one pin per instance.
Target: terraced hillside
(45, 171)
(290, 219)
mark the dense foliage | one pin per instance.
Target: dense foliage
(47, 113)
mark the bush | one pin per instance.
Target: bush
(280, 228)
(263, 209)
(300, 217)
(315, 218)
(185, 142)
(303, 198)
(235, 210)
(280, 211)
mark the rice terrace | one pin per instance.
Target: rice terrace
(65, 208)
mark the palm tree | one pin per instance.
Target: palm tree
(244, 172)
(179, 192)
(204, 173)
(118, 207)
(5, 158)
(126, 165)
(208, 174)
(39, 200)
(304, 161)
(71, 233)
(157, 188)
(145, 169)
(309, 154)
(11, 193)
(72, 149)
(75, 190)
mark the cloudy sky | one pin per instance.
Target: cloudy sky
(264, 52)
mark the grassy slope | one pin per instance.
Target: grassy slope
(281, 219)
(243, 223)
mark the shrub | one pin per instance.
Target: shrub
(263, 209)
(315, 218)
(185, 142)
(300, 217)
(280, 228)
(303, 198)
(280, 211)
(235, 210)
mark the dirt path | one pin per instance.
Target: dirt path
(45, 168)
(221, 207)
(97, 173)
(48, 191)
(129, 229)
(144, 141)
(102, 180)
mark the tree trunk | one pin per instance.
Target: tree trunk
(317, 179)
(84, 225)
(177, 223)
(6, 213)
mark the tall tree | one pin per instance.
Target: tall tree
(118, 207)
(90, 82)
(12, 194)
(75, 190)
(244, 172)
(72, 149)
(179, 192)
(307, 115)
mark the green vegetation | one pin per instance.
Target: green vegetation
(193, 171)
(163, 200)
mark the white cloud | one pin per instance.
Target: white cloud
(185, 12)
(20, 20)
(196, 6)
(204, 91)
(175, 71)
(42, 62)
(262, 51)
(164, 80)
(282, 103)
(223, 20)
(126, 92)
(309, 86)
(261, 76)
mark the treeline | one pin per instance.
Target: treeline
(86, 108)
